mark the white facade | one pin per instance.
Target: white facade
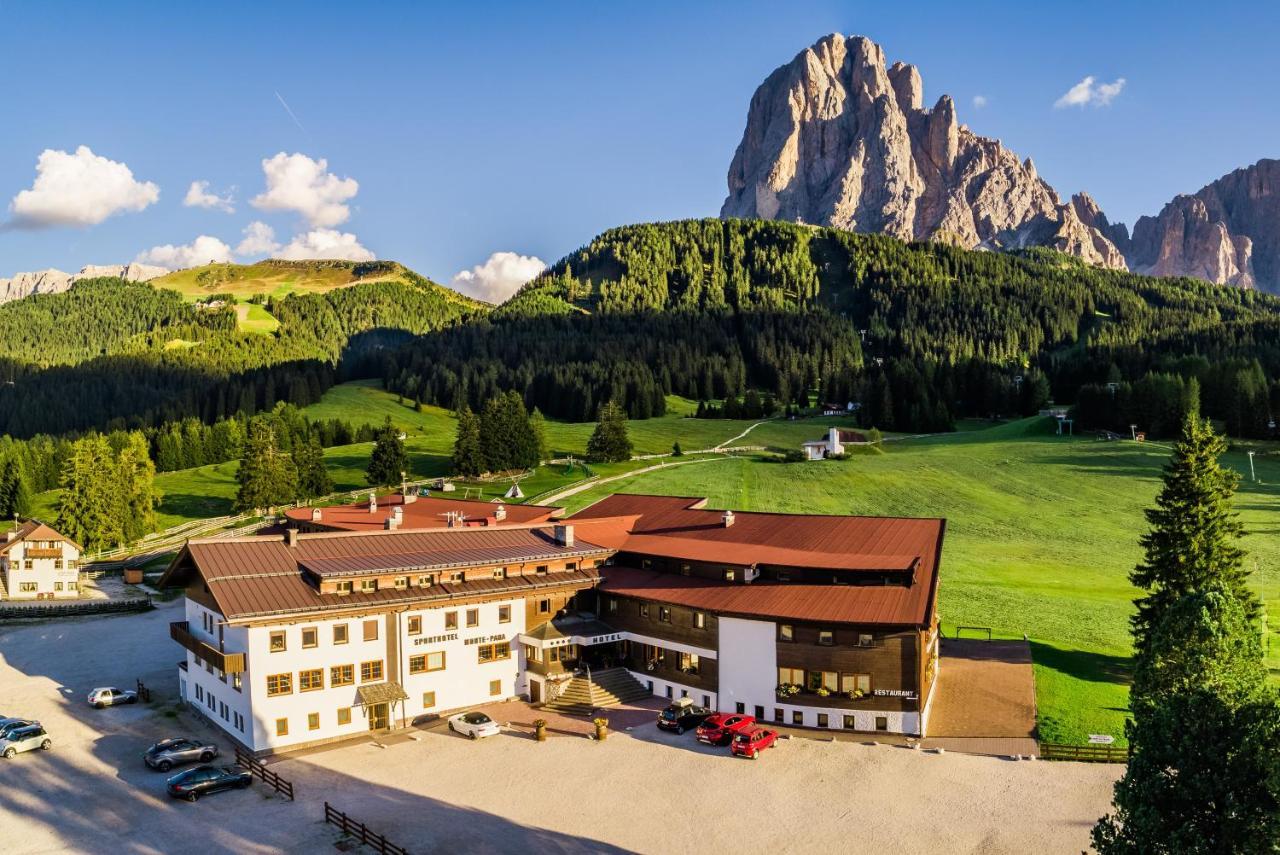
(43, 567)
(820, 448)
(282, 702)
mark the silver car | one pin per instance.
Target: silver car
(24, 739)
(8, 724)
(166, 754)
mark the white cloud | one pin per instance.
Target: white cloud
(979, 101)
(198, 196)
(295, 182)
(1088, 92)
(80, 189)
(325, 243)
(499, 277)
(202, 250)
(259, 239)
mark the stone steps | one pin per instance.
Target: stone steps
(606, 689)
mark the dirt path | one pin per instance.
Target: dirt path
(587, 485)
(749, 429)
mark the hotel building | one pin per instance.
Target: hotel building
(817, 621)
(38, 563)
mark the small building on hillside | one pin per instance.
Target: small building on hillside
(38, 563)
(834, 443)
(405, 510)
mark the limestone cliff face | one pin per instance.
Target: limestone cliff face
(1228, 232)
(55, 281)
(837, 138)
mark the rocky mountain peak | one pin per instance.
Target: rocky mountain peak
(837, 138)
(53, 281)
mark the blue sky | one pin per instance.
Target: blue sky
(529, 127)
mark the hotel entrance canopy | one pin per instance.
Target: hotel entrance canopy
(563, 631)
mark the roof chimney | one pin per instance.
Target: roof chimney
(563, 534)
(500, 513)
(373, 502)
(396, 519)
(406, 495)
(727, 518)
(315, 515)
(10, 535)
(291, 537)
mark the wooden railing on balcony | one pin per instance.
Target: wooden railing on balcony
(228, 663)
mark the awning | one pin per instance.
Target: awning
(561, 632)
(381, 693)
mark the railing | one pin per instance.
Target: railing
(359, 830)
(271, 779)
(53, 608)
(1084, 753)
(986, 629)
(228, 663)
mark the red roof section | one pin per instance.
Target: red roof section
(421, 512)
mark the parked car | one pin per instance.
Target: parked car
(110, 696)
(24, 739)
(166, 754)
(8, 724)
(749, 743)
(682, 715)
(473, 724)
(721, 727)
(202, 780)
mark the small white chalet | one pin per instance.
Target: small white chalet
(38, 563)
(833, 443)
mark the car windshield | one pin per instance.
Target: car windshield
(476, 718)
(668, 714)
(742, 737)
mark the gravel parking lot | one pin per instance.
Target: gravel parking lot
(431, 791)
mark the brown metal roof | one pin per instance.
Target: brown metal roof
(33, 529)
(381, 693)
(421, 512)
(897, 605)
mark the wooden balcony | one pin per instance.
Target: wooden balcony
(228, 663)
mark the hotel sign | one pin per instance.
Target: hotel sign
(433, 639)
(895, 693)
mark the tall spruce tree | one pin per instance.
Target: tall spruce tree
(136, 493)
(1192, 541)
(538, 424)
(609, 442)
(88, 511)
(313, 476)
(388, 462)
(266, 475)
(1204, 766)
(467, 456)
(15, 495)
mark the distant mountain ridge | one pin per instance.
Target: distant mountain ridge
(837, 138)
(53, 281)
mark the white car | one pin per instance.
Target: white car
(473, 725)
(24, 739)
(109, 697)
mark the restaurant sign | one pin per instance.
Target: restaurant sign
(895, 693)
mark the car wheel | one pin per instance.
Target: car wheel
(99, 705)
(243, 784)
(133, 700)
(192, 796)
(679, 731)
(9, 754)
(472, 734)
(165, 766)
(206, 757)
(46, 745)
(754, 755)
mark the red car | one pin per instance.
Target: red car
(749, 743)
(721, 727)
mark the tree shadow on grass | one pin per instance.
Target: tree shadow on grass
(194, 506)
(1083, 664)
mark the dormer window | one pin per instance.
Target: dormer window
(685, 569)
(426, 581)
(730, 574)
(344, 587)
(368, 586)
(500, 572)
(402, 582)
(540, 570)
(457, 577)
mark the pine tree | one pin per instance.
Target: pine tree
(15, 496)
(538, 425)
(266, 476)
(676, 450)
(87, 510)
(1192, 541)
(136, 493)
(609, 442)
(313, 476)
(388, 462)
(467, 456)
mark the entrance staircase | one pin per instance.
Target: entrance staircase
(606, 688)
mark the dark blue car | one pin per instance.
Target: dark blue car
(194, 783)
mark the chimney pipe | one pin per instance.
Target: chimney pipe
(563, 534)
(373, 502)
(291, 537)
(500, 513)
(727, 518)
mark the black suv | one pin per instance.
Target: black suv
(681, 716)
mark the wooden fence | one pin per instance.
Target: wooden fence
(48, 609)
(271, 779)
(360, 831)
(1084, 753)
